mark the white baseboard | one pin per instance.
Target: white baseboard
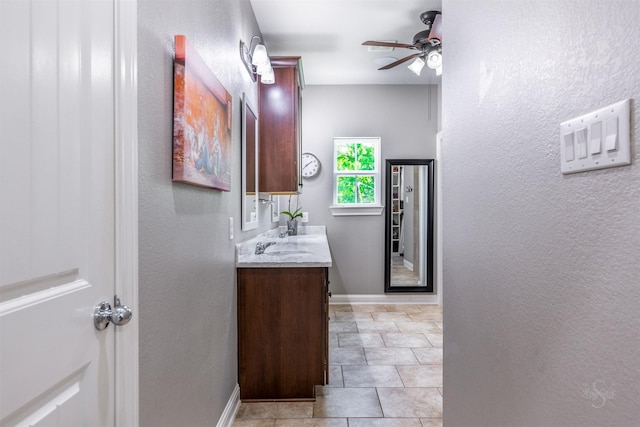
(408, 264)
(384, 299)
(229, 413)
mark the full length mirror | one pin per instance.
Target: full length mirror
(409, 225)
(249, 165)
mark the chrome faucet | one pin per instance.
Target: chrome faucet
(260, 247)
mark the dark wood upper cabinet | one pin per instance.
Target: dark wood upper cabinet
(280, 128)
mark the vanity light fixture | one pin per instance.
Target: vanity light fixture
(256, 60)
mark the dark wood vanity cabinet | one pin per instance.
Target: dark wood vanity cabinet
(282, 332)
(280, 128)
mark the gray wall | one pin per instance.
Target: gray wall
(541, 270)
(405, 117)
(188, 359)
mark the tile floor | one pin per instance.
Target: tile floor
(385, 371)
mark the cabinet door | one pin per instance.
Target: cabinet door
(279, 140)
(281, 332)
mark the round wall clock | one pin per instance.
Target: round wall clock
(310, 165)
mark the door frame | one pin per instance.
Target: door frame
(126, 209)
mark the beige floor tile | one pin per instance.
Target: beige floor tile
(360, 340)
(254, 423)
(411, 402)
(391, 317)
(425, 317)
(364, 326)
(431, 422)
(368, 307)
(434, 339)
(335, 376)
(421, 376)
(428, 355)
(346, 356)
(313, 422)
(405, 340)
(275, 410)
(384, 422)
(439, 325)
(339, 307)
(431, 308)
(390, 356)
(405, 308)
(333, 339)
(422, 327)
(347, 402)
(371, 376)
(352, 316)
(441, 391)
(337, 327)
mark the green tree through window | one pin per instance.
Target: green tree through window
(356, 171)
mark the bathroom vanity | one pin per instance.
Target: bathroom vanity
(283, 298)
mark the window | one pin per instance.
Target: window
(356, 176)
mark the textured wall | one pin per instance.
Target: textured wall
(188, 359)
(405, 117)
(541, 270)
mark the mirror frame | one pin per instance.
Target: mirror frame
(390, 163)
(247, 110)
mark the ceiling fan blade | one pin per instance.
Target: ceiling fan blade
(388, 44)
(399, 61)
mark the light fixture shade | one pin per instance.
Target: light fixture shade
(264, 68)
(259, 56)
(434, 59)
(268, 77)
(417, 65)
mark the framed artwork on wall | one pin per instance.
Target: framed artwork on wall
(202, 122)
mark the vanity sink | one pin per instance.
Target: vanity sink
(286, 249)
(270, 250)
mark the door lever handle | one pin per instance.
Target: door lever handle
(104, 314)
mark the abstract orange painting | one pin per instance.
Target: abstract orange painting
(202, 122)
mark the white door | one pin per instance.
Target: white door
(57, 206)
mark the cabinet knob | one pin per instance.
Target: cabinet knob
(329, 294)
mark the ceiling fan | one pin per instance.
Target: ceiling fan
(427, 43)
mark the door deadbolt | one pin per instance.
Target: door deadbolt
(104, 314)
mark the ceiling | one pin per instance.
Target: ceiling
(328, 35)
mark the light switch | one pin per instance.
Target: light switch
(581, 142)
(595, 143)
(569, 150)
(596, 140)
(611, 141)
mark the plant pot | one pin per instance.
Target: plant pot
(292, 227)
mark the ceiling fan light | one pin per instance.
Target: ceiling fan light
(417, 65)
(434, 59)
(259, 56)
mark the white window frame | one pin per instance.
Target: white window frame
(349, 209)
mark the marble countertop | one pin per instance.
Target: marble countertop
(310, 248)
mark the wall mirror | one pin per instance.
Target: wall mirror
(249, 165)
(409, 225)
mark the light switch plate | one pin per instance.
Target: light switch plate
(602, 139)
